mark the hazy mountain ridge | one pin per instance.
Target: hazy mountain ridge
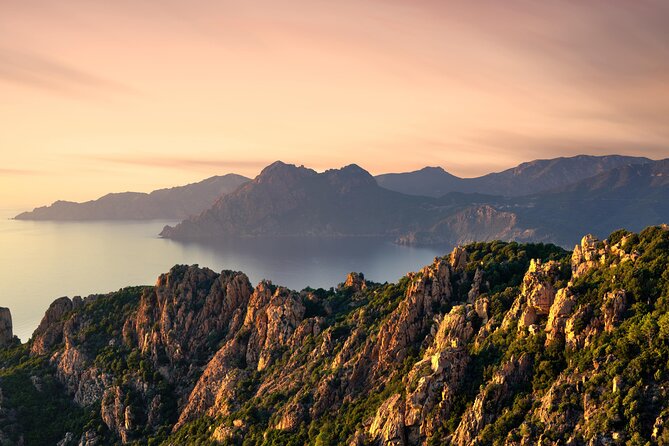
(171, 203)
(626, 197)
(289, 201)
(286, 200)
(495, 343)
(630, 196)
(525, 179)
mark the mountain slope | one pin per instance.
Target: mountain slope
(286, 200)
(627, 197)
(496, 343)
(631, 196)
(174, 203)
(524, 179)
(428, 181)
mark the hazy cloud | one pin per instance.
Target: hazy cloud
(392, 85)
(535, 147)
(17, 172)
(181, 163)
(5, 171)
(37, 71)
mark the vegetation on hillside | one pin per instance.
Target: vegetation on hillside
(613, 385)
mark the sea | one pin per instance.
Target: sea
(42, 260)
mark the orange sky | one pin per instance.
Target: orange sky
(99, 96)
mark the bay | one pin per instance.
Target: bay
(41, 261)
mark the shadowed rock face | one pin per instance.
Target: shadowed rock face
(6, 333)
(49, 333)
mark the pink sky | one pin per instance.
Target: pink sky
(100, 96)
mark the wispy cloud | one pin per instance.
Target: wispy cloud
(38, 71)
(5, 171)
(537, 146)
(182, 163)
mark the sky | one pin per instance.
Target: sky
(99, 96)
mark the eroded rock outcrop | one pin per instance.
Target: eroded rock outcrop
(116, 414)
(388, 424)
(591, 253)
(493, 395)
(272, 316)
(432, 385)
(187, 313)
(458, 258)
(428, 290)
(613, 308)
(559, 313)
(433, 382)
(585, 256)
(355, 282)
(539, 285)
(538, 291)
(49, 333)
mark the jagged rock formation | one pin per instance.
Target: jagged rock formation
(496, 343)
(49, 333)
(355, 282)
(186, 314)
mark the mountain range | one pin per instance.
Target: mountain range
(544, 200)
(525, 179)
(286, 200)
(173, 203)
(493, 344)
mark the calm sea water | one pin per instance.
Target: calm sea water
(41, 261)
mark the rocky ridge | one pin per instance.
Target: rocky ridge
(496, 343)
(526, 178)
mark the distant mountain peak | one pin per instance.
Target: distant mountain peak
(352, 168)
(436, 169)
(349, 171)
(350, 177)
(280, 171)
(277, 166)
(526, 178)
